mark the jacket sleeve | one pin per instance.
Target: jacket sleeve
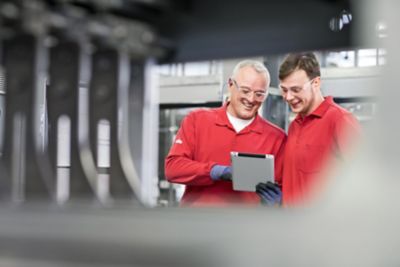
(279, 156)
(347, 132)
(180, 165)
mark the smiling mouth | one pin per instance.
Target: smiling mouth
(294, 105)
(248, 106)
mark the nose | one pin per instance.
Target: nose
(251, 97)
(288, 96)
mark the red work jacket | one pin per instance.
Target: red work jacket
(313, 142)
(206, 138)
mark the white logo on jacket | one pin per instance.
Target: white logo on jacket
(179, 141)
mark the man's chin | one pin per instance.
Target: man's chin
(295, 110)
(247, 115)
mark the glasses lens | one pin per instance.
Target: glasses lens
(245, 91)
(260, 96)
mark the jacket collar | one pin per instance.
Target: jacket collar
(320, 111)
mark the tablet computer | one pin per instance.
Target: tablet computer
(250, 169)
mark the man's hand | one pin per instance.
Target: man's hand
(221, 172)
(270, 193)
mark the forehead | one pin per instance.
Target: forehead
(298, 77)
(248, 75)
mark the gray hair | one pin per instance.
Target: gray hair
(256, 65)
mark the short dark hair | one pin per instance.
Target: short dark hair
(306, 61)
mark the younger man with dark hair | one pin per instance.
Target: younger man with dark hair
(319, 135)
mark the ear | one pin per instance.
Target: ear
(317, 82)
(230, 82)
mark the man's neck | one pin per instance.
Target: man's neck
(316, 103)
(238, 124)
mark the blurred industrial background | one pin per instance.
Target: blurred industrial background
(92, 94)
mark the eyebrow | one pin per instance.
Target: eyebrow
(295, 86)
(284, 87)
(251, 89)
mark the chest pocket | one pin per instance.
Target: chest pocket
(310, 158)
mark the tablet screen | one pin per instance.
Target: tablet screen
(250, 169)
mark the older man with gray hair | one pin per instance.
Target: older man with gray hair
(200, 155)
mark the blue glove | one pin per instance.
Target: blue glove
(221, 172)
(269, 193)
